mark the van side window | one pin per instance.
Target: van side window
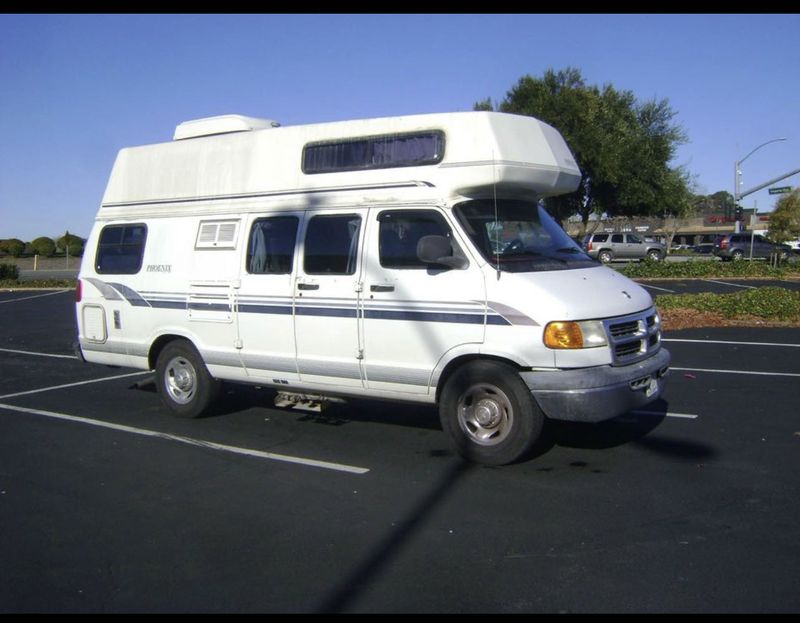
(616, 238)
(120, 249)
(374, 152)
(331, 246)
(270, 250)
(401, 230)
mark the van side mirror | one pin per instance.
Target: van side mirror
(438, 250)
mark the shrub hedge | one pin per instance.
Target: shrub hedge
(9, 271)
(707, 268)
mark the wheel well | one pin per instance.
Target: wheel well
(159, 345)
(454, 365)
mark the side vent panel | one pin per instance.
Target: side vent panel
(217, 235)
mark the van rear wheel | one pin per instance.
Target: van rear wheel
(183, 381)
(489, 413)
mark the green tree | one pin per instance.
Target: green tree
(622, 147)
(719, 203)
(71, 243)
(14, 247)
(484, 105)
(784, 222)
(44, 246)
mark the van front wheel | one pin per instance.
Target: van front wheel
(184, 383)
(489, 413)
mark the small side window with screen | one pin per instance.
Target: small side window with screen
(120, 249)
(411, 149)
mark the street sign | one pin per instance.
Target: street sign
(779, 190)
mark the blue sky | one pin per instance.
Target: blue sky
(74, 89)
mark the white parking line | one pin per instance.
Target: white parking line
(67, 385)
(35, 296)
(645, 285)
(684, 416)
(27, 352)
(732, 342)
(192, 442)
(725, 283)
(755, 372)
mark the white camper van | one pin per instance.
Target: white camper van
(404, 258)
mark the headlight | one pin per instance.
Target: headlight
(572, 335)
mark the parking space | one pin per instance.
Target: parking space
(718, 286)
(109, 505)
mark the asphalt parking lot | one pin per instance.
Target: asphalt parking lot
(719, 286)
(109, 505)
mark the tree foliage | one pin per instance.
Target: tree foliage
(623, 147)
(13, 246)
(44, 246)
(70, 243)
(784, 222)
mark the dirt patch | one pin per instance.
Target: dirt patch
(677, 319)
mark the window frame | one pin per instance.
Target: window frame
(371, 142)
(103, 248)
(385, 215)
(249, 253)
(353, 255)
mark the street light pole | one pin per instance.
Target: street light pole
(737, 177)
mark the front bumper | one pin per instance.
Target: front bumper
(598, 393)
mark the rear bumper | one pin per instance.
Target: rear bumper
(598, 393)
(76, 348)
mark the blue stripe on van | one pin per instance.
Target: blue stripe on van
(254, 308)
(423, 316)
(411, 315)
(167, 304)
(223, 307)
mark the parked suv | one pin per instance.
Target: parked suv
(606, 247)
(737, 247)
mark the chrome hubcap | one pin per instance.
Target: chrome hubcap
(180, 380)
(485, 414)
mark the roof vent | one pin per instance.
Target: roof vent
(223, 124)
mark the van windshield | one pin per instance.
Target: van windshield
(519, 236)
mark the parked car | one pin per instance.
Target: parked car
(738, 246)
(704, 248)
(606, 247)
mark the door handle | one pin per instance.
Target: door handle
(308, 286)
(381, 288)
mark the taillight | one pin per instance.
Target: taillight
(78, 292)
(723, 244)
(589, 246)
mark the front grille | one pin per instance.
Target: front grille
(635, 337)
(622, 329)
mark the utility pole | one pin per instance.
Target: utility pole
(737, 181)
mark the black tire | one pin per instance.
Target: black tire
(489, 413)
(654, 255)
(183, 381)
(737, 255)
(605, 256)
